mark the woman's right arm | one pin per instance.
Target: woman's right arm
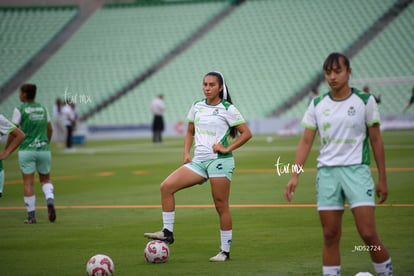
(188, 142)
(302, 154)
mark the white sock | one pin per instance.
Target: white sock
(331, 270)
(168, 219)
(383, 269)
(226, 238)
(48, 191)
(30, 202)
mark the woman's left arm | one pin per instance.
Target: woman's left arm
(377, 145)
(14, 139)
(245, 135)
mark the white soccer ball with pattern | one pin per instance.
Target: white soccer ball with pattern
(100, 265)
(156, 252)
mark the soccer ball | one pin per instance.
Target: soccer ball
(363, 274)
(156, 252)
(100, 265)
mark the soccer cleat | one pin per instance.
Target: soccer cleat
(164, 235)
(30, 220)
(51, 212)
(222, 256)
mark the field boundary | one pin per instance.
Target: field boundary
(193, 206)
(103, 174)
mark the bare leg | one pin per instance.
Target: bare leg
(331, 226)
(28, 180)
(180, 179)
(29, 197)
(365, 222)
(220, 189)
(44, 178)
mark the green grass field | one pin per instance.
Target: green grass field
(107, 195)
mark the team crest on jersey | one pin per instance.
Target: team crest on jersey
(351, 111)
(216, 111)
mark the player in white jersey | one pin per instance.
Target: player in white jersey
(210, 122)
(347, 120)
(7, 128)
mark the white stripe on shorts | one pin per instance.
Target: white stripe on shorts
(359, 204)
(330, 208)
(196, 171)
(218, 175)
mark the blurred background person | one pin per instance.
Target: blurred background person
(410, 102)
(70, 117)
(59, 123)
(157, 110)
(314, 93)
(367, 90)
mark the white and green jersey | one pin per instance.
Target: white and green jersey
(5, 128)
(212, 125)
(342, 127)
(32, 119)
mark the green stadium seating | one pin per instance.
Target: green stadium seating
(385, 65)
(267, 50)
(115, 45)
(24, 31)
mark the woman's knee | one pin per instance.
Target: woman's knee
(165, 187)
(222, 205)
(168, 186)
(369, 236)
(331, 235)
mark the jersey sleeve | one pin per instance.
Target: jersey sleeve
(234, 117)
(47, 115)
(191, 114)
(5, 126)
(372, 116)
(16, 117)
(309, 119)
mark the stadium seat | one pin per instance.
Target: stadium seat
(267, 51)
(24, 31)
